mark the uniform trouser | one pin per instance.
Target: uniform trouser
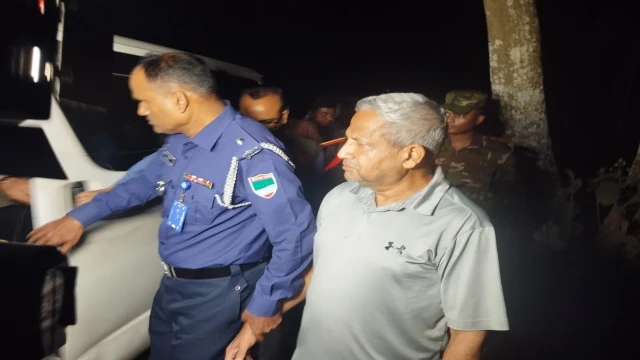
(197, 319)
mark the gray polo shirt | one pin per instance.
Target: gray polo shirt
(388, 281)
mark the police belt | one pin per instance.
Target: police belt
(205, 273)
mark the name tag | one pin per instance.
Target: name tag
(177, 215)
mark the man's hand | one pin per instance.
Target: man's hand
(261, 325)
(63, 233)
(16, 189)
(86, 196)
(239, 347)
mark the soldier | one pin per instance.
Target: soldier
(482, 167)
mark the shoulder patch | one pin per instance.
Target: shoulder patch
(264, 185)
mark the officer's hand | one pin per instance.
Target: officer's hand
(63, 233)
(261, 325)
(86, 196)
(17, 189)
(239, 347)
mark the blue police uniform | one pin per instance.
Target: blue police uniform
(136, 169)
(230, 198)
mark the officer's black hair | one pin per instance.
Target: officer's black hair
(261, 92)
(182, 68)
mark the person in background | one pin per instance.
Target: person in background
(268, 106)
(482, 167)
(312, 158)
(405, 266)
(231, 205)
(321, 125)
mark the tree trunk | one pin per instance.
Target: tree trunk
(516, 73)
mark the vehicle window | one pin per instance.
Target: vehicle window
(116, 138)
(27, 153)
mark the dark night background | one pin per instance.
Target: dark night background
(562, 305)
(355, 48)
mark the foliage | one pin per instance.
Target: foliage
(617, 209)
(619, 230)
(559, 225)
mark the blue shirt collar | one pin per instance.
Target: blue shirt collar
(208, 136)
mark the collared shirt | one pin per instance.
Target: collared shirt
(136, 169)
(388, 281)
(279, 220)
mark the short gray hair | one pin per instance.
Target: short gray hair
(411, 119)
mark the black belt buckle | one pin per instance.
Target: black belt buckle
(204, 273)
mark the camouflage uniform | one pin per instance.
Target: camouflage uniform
(484, 171)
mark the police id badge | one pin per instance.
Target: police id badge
(177, 215)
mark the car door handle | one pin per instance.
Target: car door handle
(73, 189)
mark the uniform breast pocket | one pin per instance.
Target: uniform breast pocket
(203, 207)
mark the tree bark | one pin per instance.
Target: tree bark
(516, 74)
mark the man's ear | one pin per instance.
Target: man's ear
(480, 119)
(413, 155)
(179, 100)
(284, 116)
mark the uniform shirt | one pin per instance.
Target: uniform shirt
(136, 169)
(484, 171)
(388, 281)
(213, 235)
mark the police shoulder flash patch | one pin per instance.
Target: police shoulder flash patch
(264, 185)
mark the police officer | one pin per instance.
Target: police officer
(230, 198)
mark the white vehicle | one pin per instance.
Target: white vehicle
(118, 264)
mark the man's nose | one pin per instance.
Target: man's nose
(142, 110)
(344, 152)
(449, 117)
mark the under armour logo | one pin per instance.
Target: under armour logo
(398, 249)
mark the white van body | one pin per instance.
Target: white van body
(119, 268)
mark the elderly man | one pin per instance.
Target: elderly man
(405, 266)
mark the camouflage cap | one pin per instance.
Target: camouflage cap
(464, 101)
